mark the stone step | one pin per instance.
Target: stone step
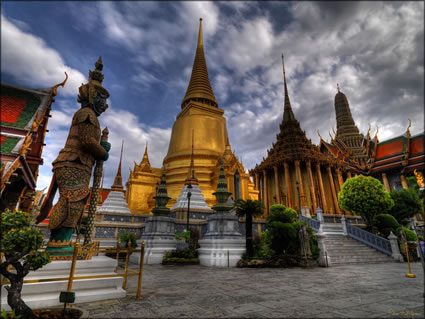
(359, 258)
(360, 262)
(373, 256)
(357, 251)
(51, 299)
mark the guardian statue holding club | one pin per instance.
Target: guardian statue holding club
(72, 168)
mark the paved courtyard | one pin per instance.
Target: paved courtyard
(352, 291)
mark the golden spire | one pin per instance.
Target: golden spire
(288, 115)
(191, 179)
(337, 87)
(199, 88)
(117, 186)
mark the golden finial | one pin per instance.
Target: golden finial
(319, 135)
(146, 148)
(337, 86)
(55, 88)
(331, 136)
(200, 40)
(408, 128)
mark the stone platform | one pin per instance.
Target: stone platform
(46, 294)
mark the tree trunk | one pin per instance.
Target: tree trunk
(248, 224)
(15, 301)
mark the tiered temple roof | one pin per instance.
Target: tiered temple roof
(292, 143)
(24, 117)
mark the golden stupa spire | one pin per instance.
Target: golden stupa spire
(191, 179)
(288, 115)
(117, 185)
(199, 88)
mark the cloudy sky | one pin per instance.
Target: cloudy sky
(374, 50)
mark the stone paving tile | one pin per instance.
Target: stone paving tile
(352, 291)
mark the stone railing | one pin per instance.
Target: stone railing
(372, 240)
(313, 223)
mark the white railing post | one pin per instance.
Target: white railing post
(394, 247)
(344, 225)
(319, 214)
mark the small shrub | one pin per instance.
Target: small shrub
(281, 213)
(386, 223)
(124, 237)
(183, 235)
(186, 256)
(406, 205)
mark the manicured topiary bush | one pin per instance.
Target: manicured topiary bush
(386, 223)
(365, 196)
(20, 241)
(406, 205)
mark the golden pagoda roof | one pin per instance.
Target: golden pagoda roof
(199, 88)
(291, 143)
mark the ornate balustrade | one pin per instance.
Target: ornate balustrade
(372, 240)
(313, 223)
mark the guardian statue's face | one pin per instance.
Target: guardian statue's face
(99, 104)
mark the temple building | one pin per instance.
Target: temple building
(295, 172)
(24, 118)
(201, 117)
(390, 161)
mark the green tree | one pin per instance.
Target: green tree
(20, 242)
(365, 196)
(248, 208)
(283, 229)
(386, 223)
(406, 205)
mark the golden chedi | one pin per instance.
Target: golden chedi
(202, 117)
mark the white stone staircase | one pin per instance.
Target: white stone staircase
(341, 249)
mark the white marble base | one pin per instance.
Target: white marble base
(155, 249)
(46, 294)
(221, 252)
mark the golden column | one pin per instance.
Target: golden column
(349, 175)
(331, 180)
(403, 181)
(288, 184)
(322, 189)
(276, 181)
(257, 182)
(266, 197)
(300, 182)
(386, 183)
(340, 180)
(312, 191)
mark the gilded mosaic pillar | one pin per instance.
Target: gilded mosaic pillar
(276, 181)
(386, 183)
(300, 182)
(349, 175)
(312, 191)
(340, 180)
(266, 197)
(322, 189)
(403, 181)
(331, 181)
(257, 181)
(288, 185)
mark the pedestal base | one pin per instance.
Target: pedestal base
(155, 249)
(46, 294)
(221, 252)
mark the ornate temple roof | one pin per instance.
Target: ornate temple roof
(347, 133)
(117, 185)
(199, 86)
(23, 123)
(292, 143)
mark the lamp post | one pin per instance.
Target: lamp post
(299, 200)
(189, 194)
